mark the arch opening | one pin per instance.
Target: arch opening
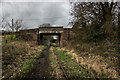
(49, 39)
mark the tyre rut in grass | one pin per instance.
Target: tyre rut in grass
(40, 68)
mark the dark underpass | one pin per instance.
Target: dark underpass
(48, 38)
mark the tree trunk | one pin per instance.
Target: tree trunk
(119, 26)
(108, 22)
(119, 20)
(107, 26)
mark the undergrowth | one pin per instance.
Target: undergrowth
(18, 58)
(71, 67)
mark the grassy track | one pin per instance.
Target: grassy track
(72, 69)
(54, 67)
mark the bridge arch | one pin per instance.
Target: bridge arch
(65, 34)
(51, 34)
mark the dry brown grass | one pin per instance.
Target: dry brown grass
(15, 54)
(95, 62)
(56, 73)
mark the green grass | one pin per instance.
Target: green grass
(71, 67)
(17, 60)
(44, 47)
(9, 38)
(38, 54)
(53, 64)
(27, 67)
(11, 52)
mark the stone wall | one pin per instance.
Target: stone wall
(66, 36)
(34, 34)
(29, 35)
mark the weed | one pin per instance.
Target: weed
(27, 67)
(72, 69)
(18, 58)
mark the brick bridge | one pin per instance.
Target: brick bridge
(64, 34)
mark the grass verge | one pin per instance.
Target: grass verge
(71, 68)
(54, 68)
(8, 38)
(18, 58)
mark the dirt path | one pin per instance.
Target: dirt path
(40, 69)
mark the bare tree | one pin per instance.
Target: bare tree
(107, 10)
(100, 12)
(18, 24)
(11, 26)
(3, 23)
(15, 26)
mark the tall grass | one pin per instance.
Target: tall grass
(9, 38)
(18, 58)
(71, 67)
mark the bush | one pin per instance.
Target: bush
(9, 38)
(11, 51)
(94, 33)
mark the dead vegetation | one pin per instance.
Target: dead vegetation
(101, 58)
(15, 56)
(54, 68)
(95, 45)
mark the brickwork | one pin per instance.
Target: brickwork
(65, 34)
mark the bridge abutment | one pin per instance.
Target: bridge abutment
(64, 34)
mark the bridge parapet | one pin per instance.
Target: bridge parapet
(50, 32)
(51, 29)
(64, 34)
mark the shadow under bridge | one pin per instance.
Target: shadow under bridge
(48, 38)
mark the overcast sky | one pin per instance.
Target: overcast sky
(34, 14)
(37, 12)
